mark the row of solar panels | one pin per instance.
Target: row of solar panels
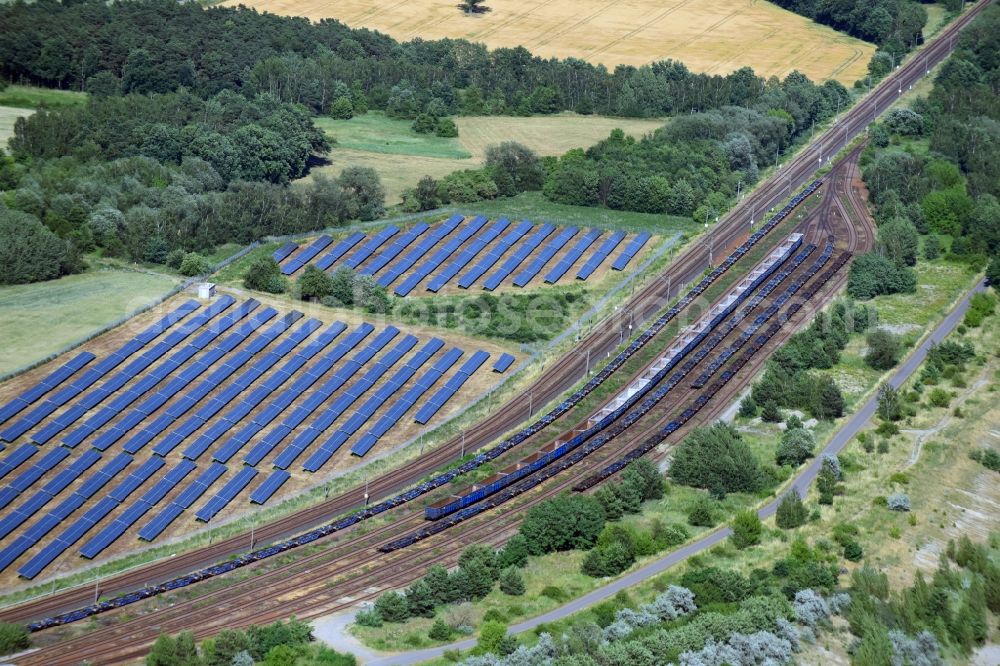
(477, 242)
(198, 487)
(91, 376)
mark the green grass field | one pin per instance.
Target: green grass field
(535, 207)
(38, 319)
(30, 97)
(376, 133)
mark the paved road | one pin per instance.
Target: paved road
(801, 484)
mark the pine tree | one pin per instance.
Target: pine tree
(771, 413)
(511, 582)
(791, 512)
(420, 600)
(440, 631)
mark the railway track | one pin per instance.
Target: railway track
(254, 601)
(547, 387)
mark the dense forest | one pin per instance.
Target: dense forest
(693, 166)
(931, 170)
(894, 25)
(158, 46)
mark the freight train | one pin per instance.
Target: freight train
(445, 478)
(689, 340)
(570, 458)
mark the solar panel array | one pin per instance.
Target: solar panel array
(435, 255)
(284, 251)
(196, 388)
(306, 255)
(596, 259)
(631, 250)
(572, 256)
(446, 392)
(504, 362)
(549, 251)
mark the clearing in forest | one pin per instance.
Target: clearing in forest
(376, 141)
(708, 36)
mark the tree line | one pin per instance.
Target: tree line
(158, 46)
(931, 172)
(693, 166)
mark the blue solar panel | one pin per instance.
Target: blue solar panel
(631, 250)
(68, 537)
(265, 490)
(503, 363)
(549, 251)
(101, 477)
(445, 251)
(227, 494)
(112, 384)
(467, 255)
(400, 243)
(372, 244)
(445, 393)
(51, 381)
(138, 477)
(493, 255)
(201, 483)
(404, 403)
(284, 251)
(339, 250)
(112, 532)
(306, 255)
(419, 250)
(16, 458)
(595, 261)
(518, 256)
(155, 527)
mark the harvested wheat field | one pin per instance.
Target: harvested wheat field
(715, 37)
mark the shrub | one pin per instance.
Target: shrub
(939, 397)
(13, 638)
(716, 458)
(702, 514)
(791, 512)
(669, 535)
(810, 608)
(314, 284)
(771, 413)
(491, 636)
(174, 258)
(514, 554)
(564, 523)
(748, 408)
(446, 127)
(439, 631)
(264, 274)
(853, 551)
(368, 618)
(195, 264)
(608, 560)
(554, 592)
(872, 275)
(747, 529)
(29, 250)
(898, 502)
(796, 447)
(883, 349)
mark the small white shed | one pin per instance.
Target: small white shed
(206, 290)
